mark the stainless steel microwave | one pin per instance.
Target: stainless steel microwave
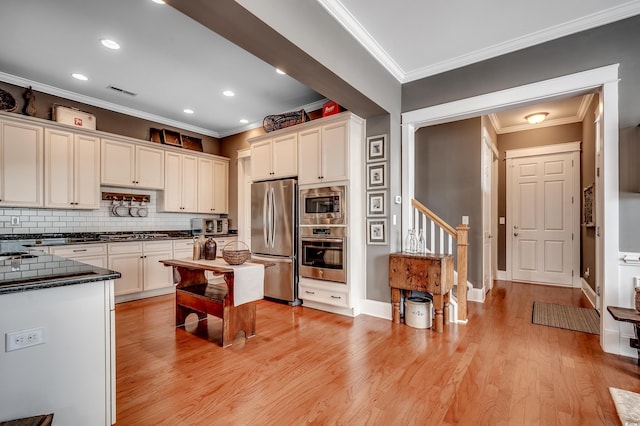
(209, 227)
(323, 206)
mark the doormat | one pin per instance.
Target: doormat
(627, 405)
(572, 318)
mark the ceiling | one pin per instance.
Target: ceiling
(170, 62)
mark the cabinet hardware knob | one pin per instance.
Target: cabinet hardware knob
(336, 297)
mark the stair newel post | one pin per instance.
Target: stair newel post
(463, 244)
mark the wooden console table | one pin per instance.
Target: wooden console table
(628, 315)
(194, 294)
(431, 273)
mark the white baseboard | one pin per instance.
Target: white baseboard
(501, 275)
(588, 291)
(144, 294)
(476, 295)
(376, 309)
(330, 308)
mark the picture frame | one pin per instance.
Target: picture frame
(377, 175)
(588, 206)
(376, 148)
(377, 203)
(377, 232)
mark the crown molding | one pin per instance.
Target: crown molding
(348, 21)
(66, 94)
(357, 30)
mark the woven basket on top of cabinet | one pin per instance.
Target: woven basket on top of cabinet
(236, 252)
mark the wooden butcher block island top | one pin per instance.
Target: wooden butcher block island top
(431, 273)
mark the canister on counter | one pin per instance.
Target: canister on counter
(210, 249)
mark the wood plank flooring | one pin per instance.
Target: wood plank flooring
(310, 367)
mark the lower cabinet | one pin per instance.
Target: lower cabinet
(91, 254)
(140, 267)
(325, 292)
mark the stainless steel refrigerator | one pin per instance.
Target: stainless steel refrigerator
(273, 236)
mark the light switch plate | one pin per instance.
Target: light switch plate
(501, 220)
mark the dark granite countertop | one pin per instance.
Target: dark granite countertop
(23, 268)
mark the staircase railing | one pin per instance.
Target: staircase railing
(439, 237)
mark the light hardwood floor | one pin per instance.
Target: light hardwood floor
(310, 367)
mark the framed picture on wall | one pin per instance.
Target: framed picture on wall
(377, 231)
(377, 175)
(588, 205)
(376, 148)
(377, 203)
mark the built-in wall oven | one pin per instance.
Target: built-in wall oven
(322, 206)
(323, 253)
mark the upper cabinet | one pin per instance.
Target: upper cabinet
(323, 153)
(21, 164)
(131, 165)
(213, 183)
(181, 184)
(71, 170)
(275, 158)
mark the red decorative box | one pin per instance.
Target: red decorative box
(330, 108)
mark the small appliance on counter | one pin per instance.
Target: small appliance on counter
(209, 227)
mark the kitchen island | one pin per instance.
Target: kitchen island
(56, 318)
(232, 298)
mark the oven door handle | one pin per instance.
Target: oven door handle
(323, 240)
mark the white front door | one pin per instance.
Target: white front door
(543, 206)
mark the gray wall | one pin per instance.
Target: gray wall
(448, 180)
(614, 43)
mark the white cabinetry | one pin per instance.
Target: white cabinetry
(91, 254)
(183, 248)
(275, 157)
(130, 165)
(139, 264)
(181, 184)
(323, 153)
(71, 170)
(21, 161)
(213, 183)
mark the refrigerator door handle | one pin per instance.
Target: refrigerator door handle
(265, 209)
(274, 218)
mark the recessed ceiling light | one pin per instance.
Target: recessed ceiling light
(244, 121)
(79, 76)
(158, 1)
(228, 93)
(188, 111)
(279, 71)
(110, 44)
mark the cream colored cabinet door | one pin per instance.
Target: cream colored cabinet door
(220, 187)
(335, 152)
(309, 156)
(172, 197)
(71, 170)
(261, 153)
(86, 172)
(180, 183)
(21, 165)
(118, 163)
(205, 185)
(130, 266)
(190, 183)
(149, 167)
(156, 274)
(285, 156)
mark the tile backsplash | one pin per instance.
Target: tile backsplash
(37, 221)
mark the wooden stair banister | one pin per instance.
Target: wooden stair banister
(461, 235)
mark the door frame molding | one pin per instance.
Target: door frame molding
(604, 79)
(538, 151)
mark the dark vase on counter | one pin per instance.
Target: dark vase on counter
(210, 249)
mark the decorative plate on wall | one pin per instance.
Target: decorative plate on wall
(7, 102)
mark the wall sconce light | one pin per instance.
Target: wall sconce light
(537, 117)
